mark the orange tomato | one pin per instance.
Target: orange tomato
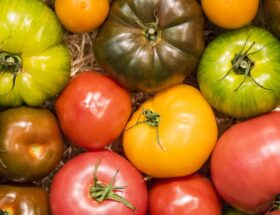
(82, 15)
(230, 14)
(172, 134)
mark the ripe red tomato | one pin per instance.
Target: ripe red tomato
(246, 161)
(78, 187)
(93, 110)
(192, 195)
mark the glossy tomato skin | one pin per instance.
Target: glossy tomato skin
(245, 161)
(186, 134)
(230, 14)
(191, 195)
(272, 13)
(41, 62)
(31, 144)
(17, 199)
(89, 14)
(230, 90)
(151, 61)
(93, 110)
(70, 188)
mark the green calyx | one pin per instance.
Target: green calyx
(151, 119)
(10, 62)
(243, 65)
(100, 191)
(151, 31)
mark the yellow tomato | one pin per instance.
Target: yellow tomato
(230, 14)
(172, 134)
(82, 15)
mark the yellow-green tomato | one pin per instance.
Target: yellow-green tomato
(172, 134)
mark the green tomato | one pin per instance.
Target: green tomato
(151, 45)
(239, 72)
(34, 65)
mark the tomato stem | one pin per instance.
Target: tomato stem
(151, 30)
(100, 191)
(242, 65)
(11, 63)
(151, 119)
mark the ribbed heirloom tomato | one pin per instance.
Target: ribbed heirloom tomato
(34, 64)
(82, 15)
(171, 134)
(93, 110)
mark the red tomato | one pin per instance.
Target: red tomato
(93, 110)
(192, 195)
(72, 189)
(246, 161)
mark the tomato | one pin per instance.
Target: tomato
(150, 45)
(78, 187)
(82, 15)
(172, 134)
(272, 13)
(239, 72)
(16, 199)
(34, 65)
(93, 110)
(230, 14)
(31, 144)
(245, 163)
(192, 195)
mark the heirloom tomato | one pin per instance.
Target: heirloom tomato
(23, 200)
(239, 72)
(171, 134)
(230, 14)
(191, 195)
(98, 183)
(34, 65)
(81, 15)
(150, 45)
(272, 13)
(245, 163)
(31, 144)
(93, 110)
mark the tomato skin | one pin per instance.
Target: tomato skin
(17, 199)
(272, 14)
(41, 62)
(192, 195)
(70, 192)
(230, 14)
(224, 87)
(89, 14)
(142, 61)
(31, 144)
(245, 161)
(93, 110)
(181, 147)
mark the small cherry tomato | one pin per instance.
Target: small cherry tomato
(230, 14)
(82, 15)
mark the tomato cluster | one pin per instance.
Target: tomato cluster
(165, 153)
